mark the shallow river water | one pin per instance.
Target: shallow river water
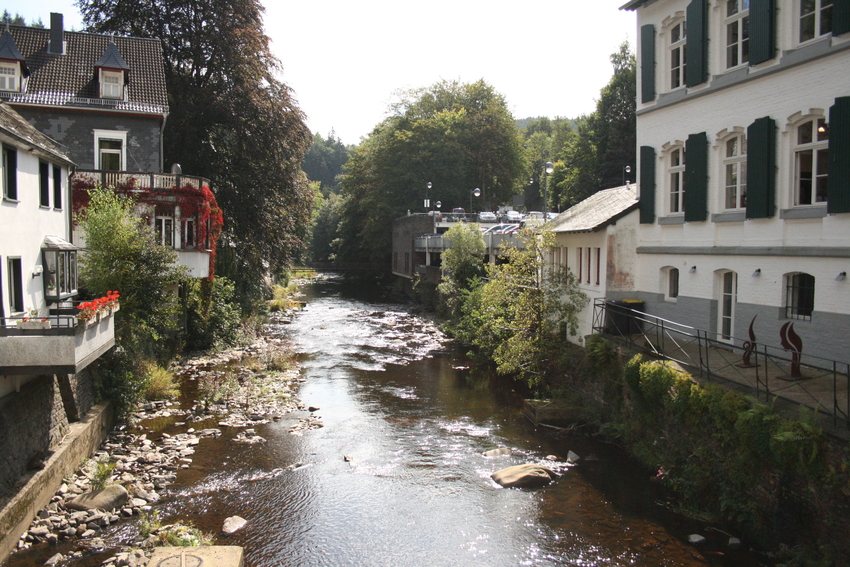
(397, 477)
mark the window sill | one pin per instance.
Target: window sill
(679, 219)
(8, 200)
(736, 216)
(803, 213)
(44, 207)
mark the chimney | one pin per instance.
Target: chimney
(57, 34)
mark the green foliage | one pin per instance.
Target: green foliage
(324, 160)
(456, 136)
(213, 319)
(524, 302)
(172, 535)
(462, 264)
(230, 120)
(101, 475)
(159, 384)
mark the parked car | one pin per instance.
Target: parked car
(533, 215)
(497, 229)
(513, 216)
(459, 210)
(486, 216)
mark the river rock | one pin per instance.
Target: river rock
(55, 560)
(572, 458)
(233, 524)
(696, 539)
(523, 476)
(497, 452)
(109, 498)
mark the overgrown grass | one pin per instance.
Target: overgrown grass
(282, 297)
(101, 475)
(159, 384)
(173, 535)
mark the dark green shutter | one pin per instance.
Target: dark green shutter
(761, 168)
(838, 184)
(696, 48)
(762, 31)
(647, 63)
(647, 184)
(696, 177)
(840, 17)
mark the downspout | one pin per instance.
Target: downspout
(162, 143)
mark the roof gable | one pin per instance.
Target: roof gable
(597, 211)
(71, 80)
(9, 50)
(13, 124)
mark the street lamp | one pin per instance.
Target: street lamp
(427, 200)
(626, 169)
(550, 167)
(475, 192)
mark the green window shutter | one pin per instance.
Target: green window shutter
(761, 168)
(762, 31)
(696, 48)
(840, 17)
(647, 63)
(647, 184)
(696, 177)
(838, 198)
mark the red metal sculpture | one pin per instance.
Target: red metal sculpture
(792, 341)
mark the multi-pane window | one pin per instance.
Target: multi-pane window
(164, 231)
(815, 18)
(111, 84)
(9, 80)
(677, 180)
(10, 173)
(61, 274)
(811, 157)
(737, 32)
(110, 154)
(189, 233)
(799, 296)
(728, 298)
(43, 184)
(735, 166)
(677, 55)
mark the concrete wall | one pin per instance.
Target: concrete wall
(75, 130)
(32, 422)
(405, 230)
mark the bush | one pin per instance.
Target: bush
(160, 384)
(213, 318)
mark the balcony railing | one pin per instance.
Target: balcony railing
(128, 180)
(57, 344)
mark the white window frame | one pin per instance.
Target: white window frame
(10, 76)
(819, 17)
(794, 296)
(737, 37)
(8, 174)
(16, 285)
(675, 170)
(670, 283)
(162, 235)
(810, 161)
(120, 135)
(734, 172)
(678, 31)
(111, 84)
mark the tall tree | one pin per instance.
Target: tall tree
(456, 136)
(324, 160)
(231, 120)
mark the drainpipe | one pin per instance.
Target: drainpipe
(162, 144)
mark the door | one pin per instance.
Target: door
(728, 299)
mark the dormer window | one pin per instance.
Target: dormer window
(111, 84)
(10, 76)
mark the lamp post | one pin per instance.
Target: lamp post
(550, 167)
(475, 192)
(427, 200)
(626, 169)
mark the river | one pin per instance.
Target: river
(397, 477)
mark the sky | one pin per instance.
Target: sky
(346, 61)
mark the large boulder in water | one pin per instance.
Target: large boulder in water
(523, 476)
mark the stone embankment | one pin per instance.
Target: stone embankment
(254, 387)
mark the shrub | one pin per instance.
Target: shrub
(160, 384)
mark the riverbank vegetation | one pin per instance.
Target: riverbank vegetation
(726, 458)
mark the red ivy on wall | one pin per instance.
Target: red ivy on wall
(197, 204)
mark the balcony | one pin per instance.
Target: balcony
(132, 182)
(63, 344)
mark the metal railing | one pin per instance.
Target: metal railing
(55, 325)
(762, 369)
(129, 181)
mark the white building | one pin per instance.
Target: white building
(743, 129)
(596, 241)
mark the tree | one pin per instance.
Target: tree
(462, 263)
(456, 136)
(524, 304)
(324, 160)
(230, 120)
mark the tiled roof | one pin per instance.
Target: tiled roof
(111, 58)
(13, 124)
(596, 211)
(8, 49)
(60, 79)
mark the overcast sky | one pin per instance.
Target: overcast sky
(345, 60)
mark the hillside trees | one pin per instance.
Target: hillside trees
(230, 120)
(456, 136)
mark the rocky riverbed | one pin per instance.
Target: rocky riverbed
(240, 388)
